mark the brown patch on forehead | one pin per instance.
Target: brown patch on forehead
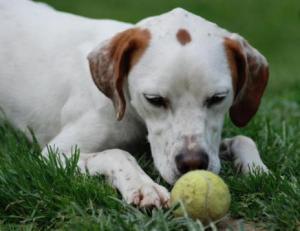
(183, 36)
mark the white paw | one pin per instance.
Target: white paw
(148, 195)
(251, 168)
(243, 152)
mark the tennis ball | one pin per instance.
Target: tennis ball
(204, 195)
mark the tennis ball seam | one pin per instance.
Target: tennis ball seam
(208, 186)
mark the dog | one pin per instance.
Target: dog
(105, 85)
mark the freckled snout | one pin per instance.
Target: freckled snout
(191, 160)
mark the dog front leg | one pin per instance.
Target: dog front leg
(123, 171)
(92, 135)
(243, 152)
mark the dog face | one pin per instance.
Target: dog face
(183, 96)
(184, 74)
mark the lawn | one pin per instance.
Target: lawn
(41, 194)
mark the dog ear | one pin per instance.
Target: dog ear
(250, 75)
(111, 62)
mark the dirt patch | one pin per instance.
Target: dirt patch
(239, 224)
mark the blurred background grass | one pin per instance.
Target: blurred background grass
(272, 26)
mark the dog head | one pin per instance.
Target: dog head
(182, 74)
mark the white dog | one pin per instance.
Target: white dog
(170, 78)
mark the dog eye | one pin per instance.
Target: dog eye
(156, 100)
(214, 100)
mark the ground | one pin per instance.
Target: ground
(38, 194)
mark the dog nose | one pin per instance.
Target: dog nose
(191, 161)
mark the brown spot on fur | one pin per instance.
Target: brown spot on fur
(111, 64)
(190, 142)
(183, 36)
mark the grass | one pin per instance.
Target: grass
(36, 193)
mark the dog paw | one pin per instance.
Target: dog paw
(243, 152)
(251, 168)
(148, 196)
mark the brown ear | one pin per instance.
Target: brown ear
(111, 62)
(250, 75)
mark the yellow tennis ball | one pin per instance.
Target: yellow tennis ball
(204, 195)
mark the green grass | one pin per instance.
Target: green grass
(41, 194)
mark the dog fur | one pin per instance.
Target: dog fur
(105, 85)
